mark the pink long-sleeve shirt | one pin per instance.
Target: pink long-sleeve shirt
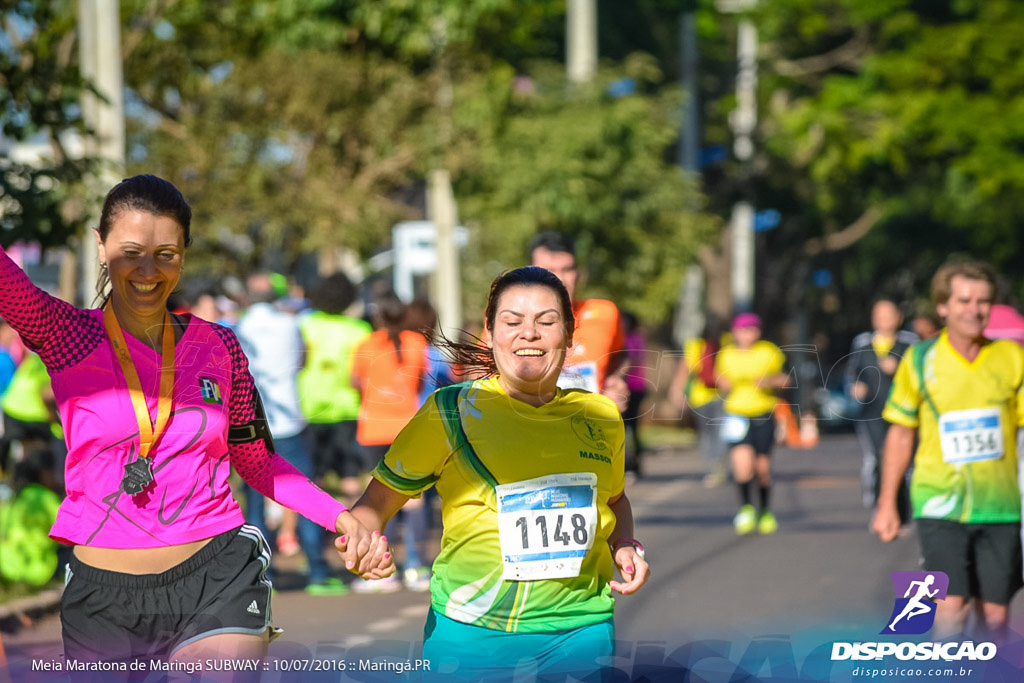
(190, 499)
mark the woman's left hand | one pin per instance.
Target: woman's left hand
(634, 570)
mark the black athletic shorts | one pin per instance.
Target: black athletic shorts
(113, 617)
(759, 434)
(982, 560)
(335, 449)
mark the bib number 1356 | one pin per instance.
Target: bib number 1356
(972, 435)
(546, 525)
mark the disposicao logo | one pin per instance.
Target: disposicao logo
(913, 613)
(916, 594)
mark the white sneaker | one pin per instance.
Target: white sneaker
(391, 584)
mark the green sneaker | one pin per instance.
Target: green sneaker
(329, 586)
(745, 520)
(767, 523)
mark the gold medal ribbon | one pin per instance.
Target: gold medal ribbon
(148, 431)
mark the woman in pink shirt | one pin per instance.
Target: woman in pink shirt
(156, 410)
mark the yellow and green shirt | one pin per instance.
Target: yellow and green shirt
(966, 415)
(743, 368)
(502, 441)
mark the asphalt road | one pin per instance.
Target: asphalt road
(718, 607)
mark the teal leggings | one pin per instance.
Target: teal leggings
(462, 652)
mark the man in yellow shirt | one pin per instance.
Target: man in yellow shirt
(961, 396)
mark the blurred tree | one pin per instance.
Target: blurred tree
(592, 165)
(40, 199)
(317, 121)
(892, 135)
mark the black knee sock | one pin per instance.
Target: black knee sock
(745, 491)
(765, 494)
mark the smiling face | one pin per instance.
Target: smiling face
(968, 308)
(144, 253)
(529, 341)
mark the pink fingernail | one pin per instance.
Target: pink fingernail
(384, 539)
(343, 539)
(629, 569)
(387, 556)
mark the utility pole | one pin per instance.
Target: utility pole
(690, 312)
(447, 292)
(99, 50)
(446, 288)
(743, 121)
(689, 139)
(581, 40)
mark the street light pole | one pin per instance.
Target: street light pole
(99, 49)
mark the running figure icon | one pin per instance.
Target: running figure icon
(916, 605)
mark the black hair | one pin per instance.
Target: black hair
(552, 241)
(421, 316)
(390, 314)
(333, 295)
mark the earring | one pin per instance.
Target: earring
(103, 265)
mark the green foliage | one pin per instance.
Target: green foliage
(913, 108)
(312, 125)
(39, 89)
(595, 167)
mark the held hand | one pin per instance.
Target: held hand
(886, 522)
(888, 365)
(859, 390)
(377, 563)
(361, 549)
(634, 570)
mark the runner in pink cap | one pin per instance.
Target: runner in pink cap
(747, 320)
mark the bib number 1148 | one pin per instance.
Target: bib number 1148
(577, 524)
(546, 525)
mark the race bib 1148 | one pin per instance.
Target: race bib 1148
(546, 525)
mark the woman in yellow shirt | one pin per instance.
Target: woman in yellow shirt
(748, 373)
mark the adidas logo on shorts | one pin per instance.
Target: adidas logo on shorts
(252, 608)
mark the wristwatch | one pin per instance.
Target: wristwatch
(637, 546)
